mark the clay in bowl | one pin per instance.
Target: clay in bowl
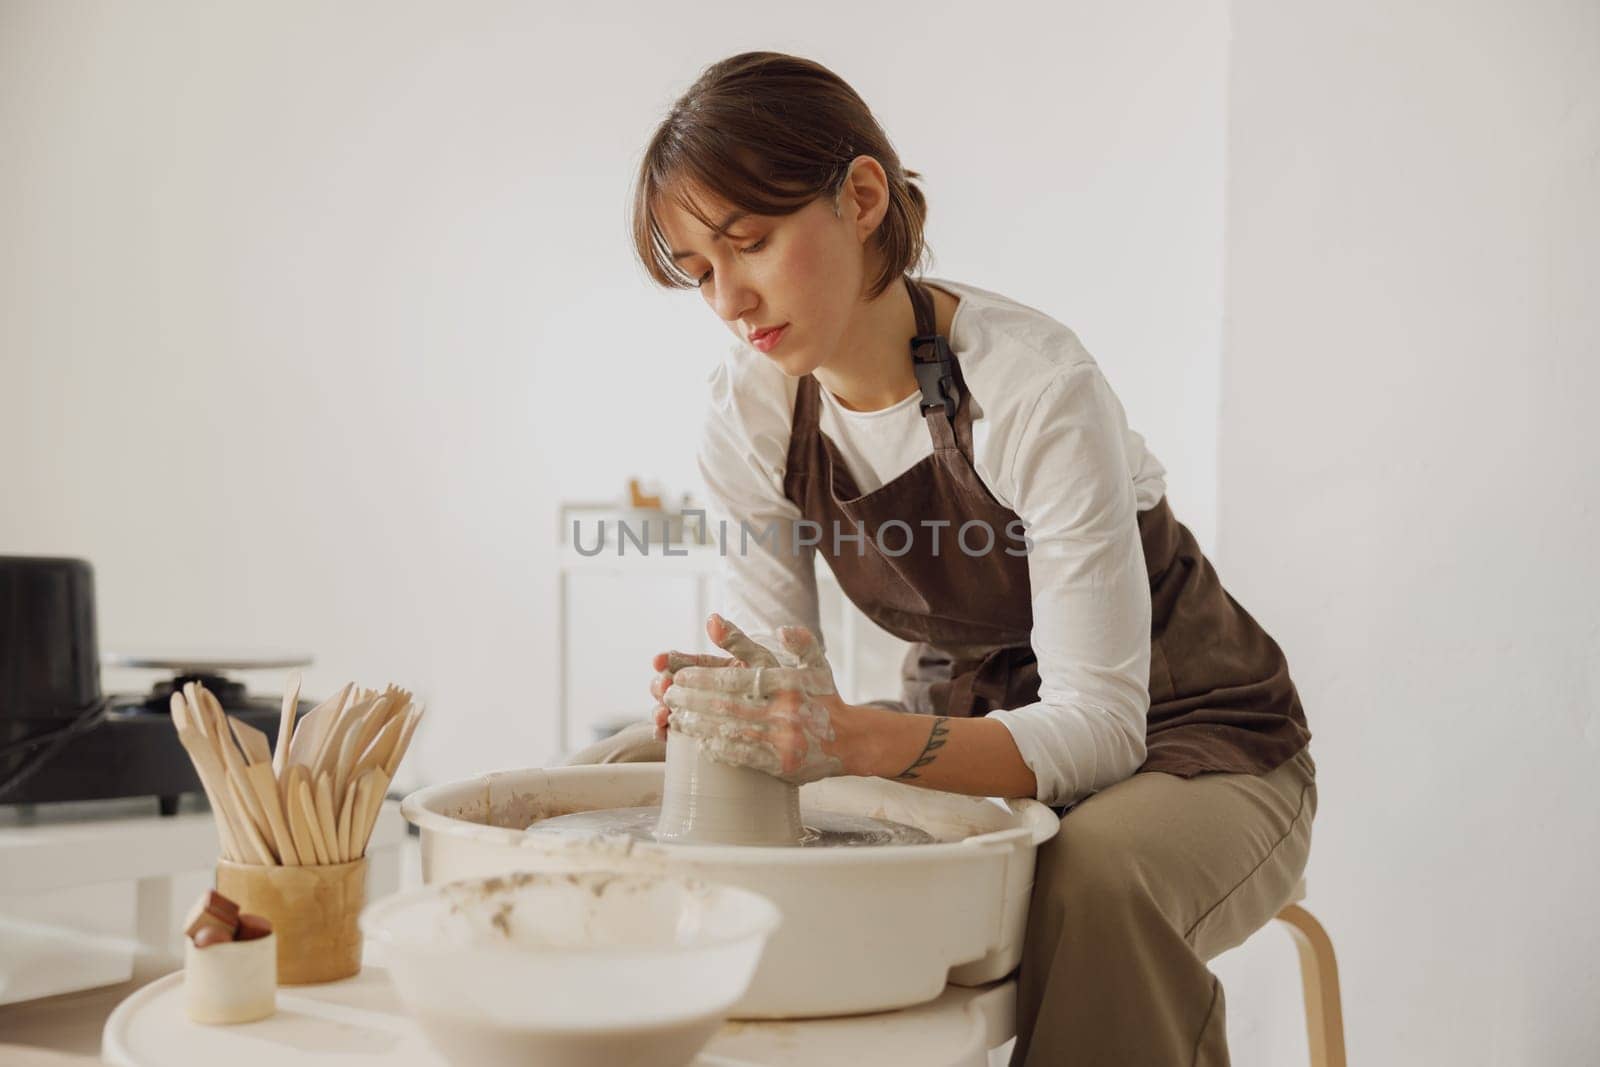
(578, 969)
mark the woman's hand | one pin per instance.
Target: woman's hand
(775, 717)
(780, 712)
(745, 652)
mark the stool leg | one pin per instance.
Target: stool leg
(1319, 975)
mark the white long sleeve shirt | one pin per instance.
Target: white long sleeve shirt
(1050, 440)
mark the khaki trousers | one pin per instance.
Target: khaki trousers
(1146, 881)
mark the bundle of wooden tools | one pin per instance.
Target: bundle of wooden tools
(316, 798)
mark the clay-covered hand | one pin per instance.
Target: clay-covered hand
(744, 651)
(775, 718)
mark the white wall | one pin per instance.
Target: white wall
(311, 313)
(1409, 495)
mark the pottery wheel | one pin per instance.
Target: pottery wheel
(709, 803)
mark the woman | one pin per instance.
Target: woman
(967, 472)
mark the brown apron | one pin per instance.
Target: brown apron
(1220, 694)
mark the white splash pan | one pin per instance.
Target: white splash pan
(864, 929)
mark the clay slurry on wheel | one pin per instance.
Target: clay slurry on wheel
(822, 829)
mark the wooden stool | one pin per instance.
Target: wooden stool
(1319, 976)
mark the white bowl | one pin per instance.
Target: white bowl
(592, 967)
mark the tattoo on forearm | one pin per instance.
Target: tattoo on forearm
(930, 751)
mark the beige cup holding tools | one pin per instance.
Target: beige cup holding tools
(314, 911)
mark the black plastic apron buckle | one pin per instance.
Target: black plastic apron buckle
(934, 365)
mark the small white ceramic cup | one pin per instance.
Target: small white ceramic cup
(231, 981)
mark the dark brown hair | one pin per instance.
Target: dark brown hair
(769, 133)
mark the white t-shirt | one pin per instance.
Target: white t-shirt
(1050, 440)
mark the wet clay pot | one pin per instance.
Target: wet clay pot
(708, 803)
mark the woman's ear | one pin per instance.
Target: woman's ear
(864, 197)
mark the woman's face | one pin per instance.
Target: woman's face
(804, 273)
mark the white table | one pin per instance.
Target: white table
(87, 888)
(361, 1020)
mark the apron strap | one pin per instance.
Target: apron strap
(803, 428)
(922, 307)
(944, 399)
(935, 367)
(945, 406)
